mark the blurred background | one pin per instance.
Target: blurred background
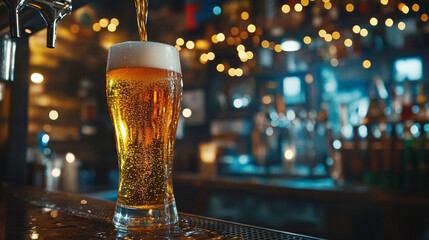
(306, 116)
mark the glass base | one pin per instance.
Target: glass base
(137, 218)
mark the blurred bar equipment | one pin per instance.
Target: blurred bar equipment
(14, 7)
(7, 53)
(13, 109)
(14, 84)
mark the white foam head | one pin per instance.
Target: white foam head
(143, 54)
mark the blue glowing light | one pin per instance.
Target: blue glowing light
(415, 109)
(329, 161)
(269, 131)
(354, 118)
(292, 90)
(337, 144)
(291, 86)
(217, 10)
(363, 107)
(426, 127)
(363, 131)
(415, 130)
(45, 139)
(245, 100)
(310, 127)
(330, 81)
(381, 88)
(238, 103)
(290, 114)
(408, 69)
(347, 131)
(399, 90)
(274, 115)
(290, 46)
(243, 159)
(47, 151)
(376, 133)
(399, 129)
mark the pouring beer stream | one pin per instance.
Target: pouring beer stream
(141, 8)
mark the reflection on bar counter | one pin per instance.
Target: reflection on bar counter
(304, 116)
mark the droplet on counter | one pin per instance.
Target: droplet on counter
(34, 236)
(89, 211)
(54, 213)
(46, 209)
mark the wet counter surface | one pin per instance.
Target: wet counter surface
(31, 213)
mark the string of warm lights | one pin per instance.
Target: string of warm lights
(356, 29)
(236, 37)
(105, 23)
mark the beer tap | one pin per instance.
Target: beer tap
(14, 7)
(52, 11)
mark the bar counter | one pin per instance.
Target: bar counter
(316, 207)
(32, 213)
(320, 190)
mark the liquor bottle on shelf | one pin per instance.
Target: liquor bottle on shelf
(286, 146)
(422, 160)
(408, 161)
(383, 134)
(395, 167)
(408, 166)
(422, 154)
(259, 144)
(309, 138)
(373, 109)
(394, 119)
(357, 166)
(421, 100)
(325, 132)
(373, 119)
(407, 103)
(349, 157)
(264, 140)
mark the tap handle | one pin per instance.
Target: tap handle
(52, 11)
(14, 7)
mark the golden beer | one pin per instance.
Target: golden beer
(144, 92)
(144, 105)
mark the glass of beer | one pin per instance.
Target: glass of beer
(144, 94)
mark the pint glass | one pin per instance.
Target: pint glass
(144, 93)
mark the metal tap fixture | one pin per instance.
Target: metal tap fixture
(7, 59)
(52, 11)
(14, 7)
